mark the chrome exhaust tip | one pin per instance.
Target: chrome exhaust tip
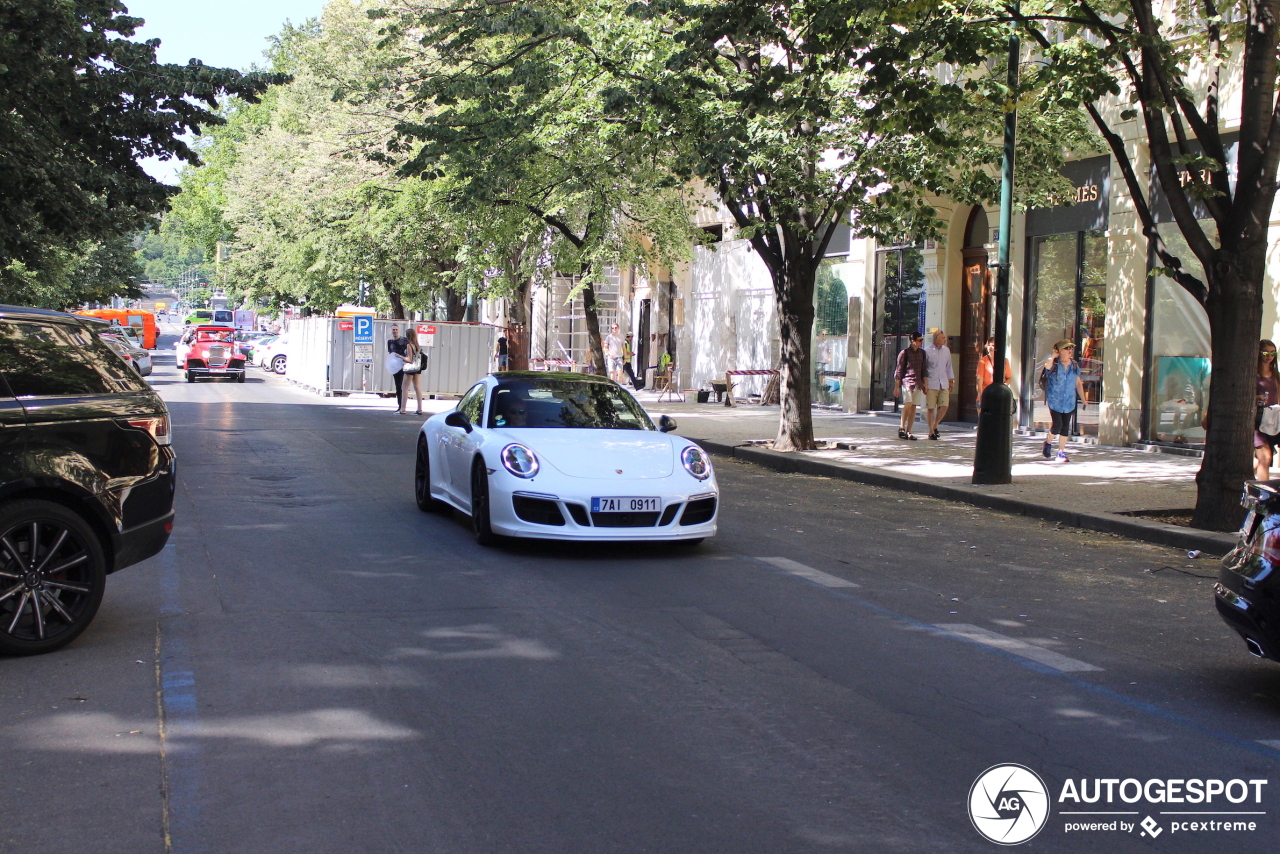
(1254, 647)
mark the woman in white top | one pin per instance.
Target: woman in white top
(412, 370)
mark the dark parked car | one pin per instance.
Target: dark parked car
(86, 475)
(1247, 594)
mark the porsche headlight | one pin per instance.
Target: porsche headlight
(696, 462)
(519, 460)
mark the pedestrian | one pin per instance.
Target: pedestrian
(908, 383)
(502, 353)
(413, 365)
(1268, 393)
(987, 368)
(613, 354)
(1062, 388)
(940, 381)
(396, 348)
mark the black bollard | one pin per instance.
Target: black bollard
(993, 452)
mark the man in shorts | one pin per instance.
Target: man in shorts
(613, 354)
(939, 383)
(908, 384)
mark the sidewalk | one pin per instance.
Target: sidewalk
(1092, 491)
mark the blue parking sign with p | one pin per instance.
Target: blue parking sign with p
(363, 329)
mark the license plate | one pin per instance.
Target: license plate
(623, 504)
(217, 370)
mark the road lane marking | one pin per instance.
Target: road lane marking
(817, 576)
(1038, 654)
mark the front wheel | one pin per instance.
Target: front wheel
(191, 377)
(52, 574)
(480, 506)
(240, 377)
(422, 480)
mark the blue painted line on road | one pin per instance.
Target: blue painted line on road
(180, 742)
(1100, 690)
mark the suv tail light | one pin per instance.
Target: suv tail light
(157, 427)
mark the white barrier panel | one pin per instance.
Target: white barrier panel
(322, 355)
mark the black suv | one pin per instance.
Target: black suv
(86, 475)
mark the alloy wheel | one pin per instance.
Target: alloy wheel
(52, 574)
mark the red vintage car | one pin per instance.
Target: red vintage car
(210, 351)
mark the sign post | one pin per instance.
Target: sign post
(362, 328)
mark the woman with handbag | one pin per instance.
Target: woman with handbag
(1268, 392)
(414, 361)
(396, 348)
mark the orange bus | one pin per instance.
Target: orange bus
(141, 318)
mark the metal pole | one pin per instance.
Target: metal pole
(993, 451)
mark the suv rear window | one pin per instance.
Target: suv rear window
(41, 359)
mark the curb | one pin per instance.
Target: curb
(1158, 533)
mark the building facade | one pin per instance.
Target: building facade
(1080, 271)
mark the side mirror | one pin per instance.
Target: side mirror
(458, 418)
(666, 423)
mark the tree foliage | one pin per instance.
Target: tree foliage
(288, 188)
(79, 104)
(796, 115)
(518, 128)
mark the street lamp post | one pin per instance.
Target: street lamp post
(993, 452)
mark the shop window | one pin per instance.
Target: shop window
(831, 329)
(899, 311)
(1069, 281)
(1180, 349)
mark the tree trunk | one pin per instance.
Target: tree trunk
(595, 349)
(793, 288)
(1234, 306)
(397, 304)
(455, 305)
(518, 325)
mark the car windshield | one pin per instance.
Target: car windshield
(565, 403)
(206, 336)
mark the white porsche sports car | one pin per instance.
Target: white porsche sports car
(563, 457)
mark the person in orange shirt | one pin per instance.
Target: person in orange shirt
(986, 367)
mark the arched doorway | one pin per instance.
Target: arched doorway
(977, 304)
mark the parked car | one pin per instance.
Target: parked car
(273, 355)
(248, 340)
(565, 457)
(138, 358)
(86, 475)
(130, 332)
(209, 351)
(1247, 594)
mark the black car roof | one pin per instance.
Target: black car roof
(32, 313)
(558, 376)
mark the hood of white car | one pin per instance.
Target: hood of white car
(622, 454)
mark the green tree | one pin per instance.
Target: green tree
(165, 254)
(306, 216)
(795, 114)
(68, 278)
(518, 126)
(79, 104)
(1174, 72)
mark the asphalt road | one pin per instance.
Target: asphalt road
(312, 665)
